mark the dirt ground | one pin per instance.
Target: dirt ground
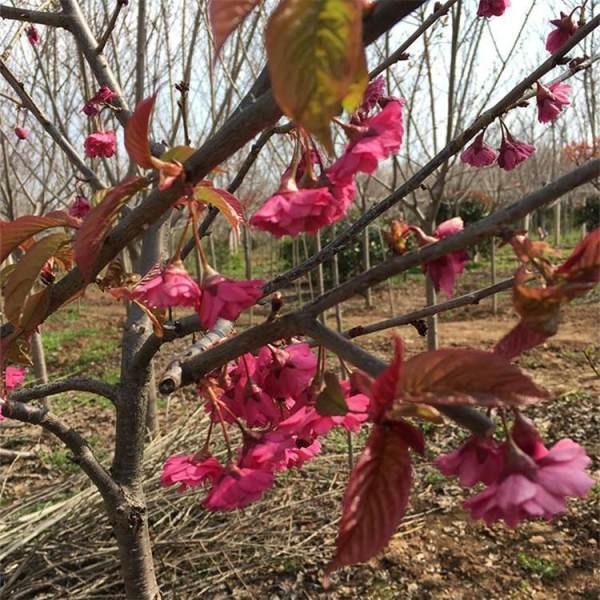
(437, 553)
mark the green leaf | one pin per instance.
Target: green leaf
(331, 401)
(178, 153)
(227, 203)
(315, 56)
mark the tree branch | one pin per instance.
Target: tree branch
(111, 25)
(337, 343)
(34, 16)
(428, 311)
(293, 323)
(416, 180)
(82, 453)
(50, 128)
(78, 384)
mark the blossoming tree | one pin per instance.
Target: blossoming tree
(270, 382)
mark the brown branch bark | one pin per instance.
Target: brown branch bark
(34, 16)
(76, 384)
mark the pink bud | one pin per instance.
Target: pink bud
(21, 132)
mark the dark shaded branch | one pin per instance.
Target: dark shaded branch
(76, 384)
(34, 16)
(470, 418)
(110, 27)
(411, 317)
(450, 150)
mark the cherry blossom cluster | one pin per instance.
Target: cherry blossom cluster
(442, 271)
(523, 479)
(551, 100)
(272, 397)
(170, 285)
(304, 202)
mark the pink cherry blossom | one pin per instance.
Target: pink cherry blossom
(530, 489)
(102, 96)
(237, 487)
(33, 35)
(443, 271)
(172, 286)
(226, 298)
(478, 459)
(190, 471)
(375, 139)
(513, 152)
(13, 377)
(287, 372)
(80, 208)
(371, 97)
(479, 154)
(492, 8)
(527, 437)
(551, 101)
(21, 133)
(100, 144)
(291, 212)
(565, 28)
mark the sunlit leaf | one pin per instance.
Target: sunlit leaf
(314, 51)
(583, 266)
(14, 233)
(225, 17)
(465, 376)
(357, 88)
(376, 497)
(22, 279)
(137, 141)
(16, 348)
(385, 387)
(178, 153)
(97, 224)
(331, 401)
(519, 339)
(227, 203)
(35, 310)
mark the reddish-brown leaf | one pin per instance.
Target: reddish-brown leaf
(583, 266)
(14, 233)
(466, 376)
(22, 279)
(376, 497)
(385, 387)
(137, 141)
(227, 203)
(225, 17)
(519, 339)
(98, 222)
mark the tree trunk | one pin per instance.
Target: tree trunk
(130, 525)
(366, 253)
(432, 322)
(493, 274)
(38, 358)
(248, 264)
(152, 408)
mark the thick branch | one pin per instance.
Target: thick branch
(82, 453)
(79, 384)
(450, 150)
(292, 324)
(34, 16)
(52, 130)
(428, 311)
(477, 232)
(337, 343)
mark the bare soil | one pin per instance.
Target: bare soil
(437, 553)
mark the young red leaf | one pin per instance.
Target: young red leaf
(385, 387)
(466, 376)
(519, 339)
(98, 222)
(376, 497)
(314, 51)
(583, 266)
(137, 143)
(14, 233)
(225, 17)
(22, 279)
